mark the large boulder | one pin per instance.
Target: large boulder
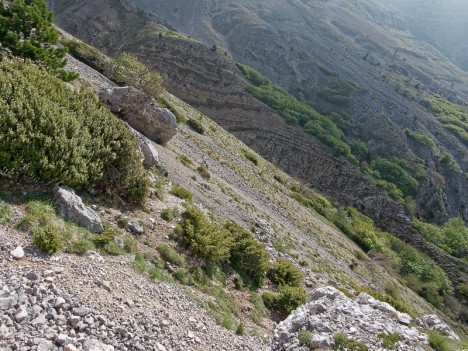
(71, 207)
(141, 112)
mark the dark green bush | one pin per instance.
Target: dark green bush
(290, 298)
(207, 240)
(87, 54)
(55, 135)
(284, 272)
(248, 256)
(251, 157)
(81, 246)
(393, 173)
(4, 213)
(269, 299)
(47, 239)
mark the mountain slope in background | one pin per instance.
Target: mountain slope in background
(356, 63)
(444, 24)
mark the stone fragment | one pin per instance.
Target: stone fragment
(71, 207)
(17, 253)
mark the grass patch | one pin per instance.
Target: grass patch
(342, 343)
(4, 213)
(170, 255)
(169, 214)
(251, 157)
(181, 193)
(187, 162)
(305, 337)
(196, 126)
(204, 173)
(389, 340)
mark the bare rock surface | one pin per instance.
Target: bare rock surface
(141, 112)
(71, 207)
(329, 312)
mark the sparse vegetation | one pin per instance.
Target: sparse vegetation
(204, 173)
(304, 337)
(181, 193)
(4, 213)
(342, 343)
(129, 70)
(297, 112)
(389, 340)
(452, 116)
(169, 214)
(196, 126)
(170, 255)
(251, 157)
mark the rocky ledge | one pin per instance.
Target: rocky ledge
(329, 312)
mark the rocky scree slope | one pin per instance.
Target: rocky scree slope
(238, 190)
(213, 84)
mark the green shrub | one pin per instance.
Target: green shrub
(169, 214)
(47, 239)
(129, 70)
(112, 248)
(55, 135)
(304, 337)
(269, 299)
(181, 193)
(251, 157)
(170, 255)
(452, 237)
(204, 173)
(187, 162)
(207, 240)
(80, 246)
(440, 342)
(284, 272)
(342, 343)
(4, 213)
(389, 340)
(240, 329)
(196, 126)
(87, 54)
(393, 173)
(182, 276)
(130, 244)
(290, 298)
(247, 255)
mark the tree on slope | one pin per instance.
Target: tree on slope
(27, 31)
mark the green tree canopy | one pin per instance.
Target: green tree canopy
(27, 31)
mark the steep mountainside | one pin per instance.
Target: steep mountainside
(393, 78)
(313, 49)
(444, 24)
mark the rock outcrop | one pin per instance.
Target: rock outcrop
(71, 207)
(141, 112)
(329, 312)
(147, 149)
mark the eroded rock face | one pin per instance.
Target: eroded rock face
(72, 207)
(329, 312)
(141, 112)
